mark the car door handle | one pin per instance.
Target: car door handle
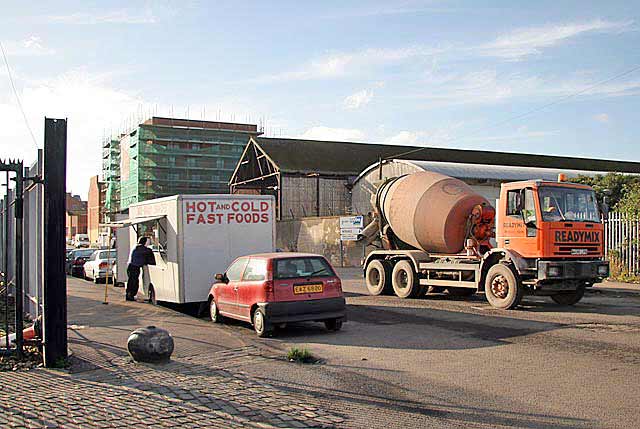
(235, 288)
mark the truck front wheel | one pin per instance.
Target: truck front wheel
(404, 280)
(502, 288)
(569, 298)
(378, 277)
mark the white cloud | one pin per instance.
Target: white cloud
(90, 104)
(333, 134)
(121, 16)
(602, 117)
(30, 46)
(404, 138)
(358, 99)
(342, 64)
(525, 42)
(488, 87)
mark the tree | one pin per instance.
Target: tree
(622, 187)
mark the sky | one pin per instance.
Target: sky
(546, 77)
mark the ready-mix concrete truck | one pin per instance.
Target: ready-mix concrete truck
(435, 231)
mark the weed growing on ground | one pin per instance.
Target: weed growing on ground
(300, 355)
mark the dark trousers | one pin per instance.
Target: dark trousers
(133, 272)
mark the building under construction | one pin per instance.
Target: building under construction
(167, 156)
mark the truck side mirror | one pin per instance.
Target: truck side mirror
(222, 278)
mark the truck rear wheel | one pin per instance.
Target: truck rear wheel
(502, 288)
(378, 277)
(569, 298)
(404, 280)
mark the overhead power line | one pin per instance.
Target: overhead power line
(15, 92)
(531, 111)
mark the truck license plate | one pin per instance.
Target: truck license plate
(314, 288)
(578, 251)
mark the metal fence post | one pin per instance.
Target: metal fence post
(55, 282)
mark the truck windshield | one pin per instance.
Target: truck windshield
(568, 204)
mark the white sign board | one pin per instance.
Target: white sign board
(351, 227)
(352, 222)
(349, 237)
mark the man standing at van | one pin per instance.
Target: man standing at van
(140, 256)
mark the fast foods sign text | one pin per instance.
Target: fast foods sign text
(226, 212)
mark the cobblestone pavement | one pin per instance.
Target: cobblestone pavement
(219, 376)
(201, 387)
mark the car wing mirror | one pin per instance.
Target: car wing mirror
(222, 278)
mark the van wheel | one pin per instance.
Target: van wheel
(260, 324)
(378, 277)
(569, 298)
(333, 324)
(152, 296)
(404, 280)
(214, 314)
(502, 287)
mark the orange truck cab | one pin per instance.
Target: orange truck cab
(554, 235)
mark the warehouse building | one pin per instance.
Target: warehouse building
(168, 156)
(311, 178)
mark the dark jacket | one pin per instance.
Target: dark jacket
(141, 256)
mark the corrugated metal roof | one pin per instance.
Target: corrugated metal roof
(490, 172)
(349, 158)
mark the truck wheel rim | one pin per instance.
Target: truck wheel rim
(403, 279)
(374, 278)
(258, 322)
(500, 286)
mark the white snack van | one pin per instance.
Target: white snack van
(193, 238)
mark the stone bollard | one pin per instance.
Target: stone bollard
(150, 344)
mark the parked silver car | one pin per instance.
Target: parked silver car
(99, 265)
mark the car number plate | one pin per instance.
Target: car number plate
(578, 251)
(314, 288)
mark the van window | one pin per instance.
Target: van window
(234, 272)
(302, 267)
(256, 270)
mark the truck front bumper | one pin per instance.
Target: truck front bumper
(300, 311)
(554, 271)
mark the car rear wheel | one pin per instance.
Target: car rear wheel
(260, 323)
(333, 324)
(214, 314)
(405, 280)
(502, 287)
(378, 277)
(569, 298)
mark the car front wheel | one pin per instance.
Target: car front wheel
(214, 314)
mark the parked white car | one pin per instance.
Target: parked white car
(81, 240)
(99, 265)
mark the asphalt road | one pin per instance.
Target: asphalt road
(460, 363)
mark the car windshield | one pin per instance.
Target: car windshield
(302, 267)
(84, 253)
(568, 204)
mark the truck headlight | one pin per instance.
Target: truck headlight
(554, 271)
(603, 270)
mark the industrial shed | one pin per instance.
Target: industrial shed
(315, 178)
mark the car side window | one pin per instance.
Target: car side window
(234, 272)
(93, 256)
(256, 270)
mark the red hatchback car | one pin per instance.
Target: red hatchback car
(272, 289)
